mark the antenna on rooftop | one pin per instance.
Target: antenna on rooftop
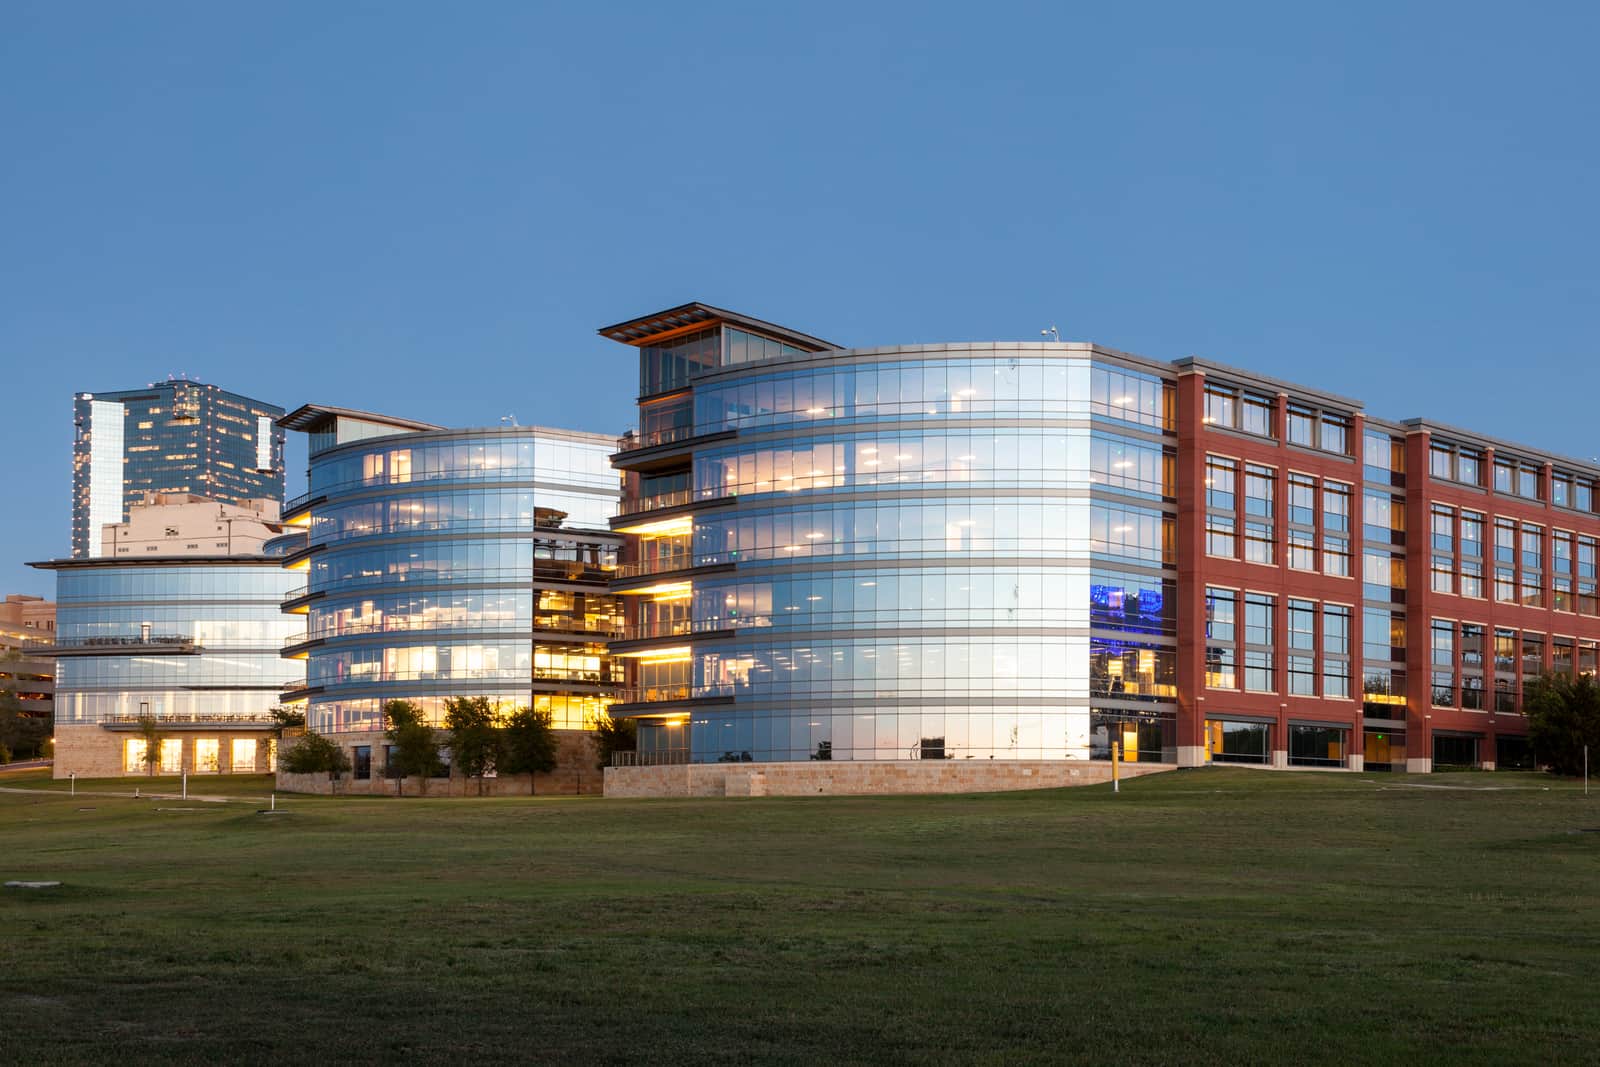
(509, 420)
(1051, 332)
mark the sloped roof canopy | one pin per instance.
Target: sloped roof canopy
(642, 330)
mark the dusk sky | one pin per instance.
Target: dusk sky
(427, 210)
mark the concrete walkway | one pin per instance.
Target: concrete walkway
(130, 796)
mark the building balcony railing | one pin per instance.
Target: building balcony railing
(635, 505)
(652, 694)
(151, 645)
(602, 630)
(658, 628)
(632, 442)
(171, 718)
(468, 674)
(296, 504)
(553, 569)
(657, 565)
(665, 758)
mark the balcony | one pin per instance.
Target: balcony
(191, 720)
(633, 442)
(600, 629)
(151, 645)
(653, 694)
(658, 628)
(658, 502)
(640, 567)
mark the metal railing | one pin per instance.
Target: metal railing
(664, 758)
(519, 629)
(189, 717)
(124, 641)
(296, 593)
(657, 565)
(632, 442)
(634, 505)
(653, 693)
(658, 628)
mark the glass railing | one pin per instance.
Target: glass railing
(196, 717)
(126, 642)
(633, 442)
(681, 561)
(634, 505)
(519, 628)
(653, 693)
(659, 628)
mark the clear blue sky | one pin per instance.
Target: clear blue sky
(428, 209)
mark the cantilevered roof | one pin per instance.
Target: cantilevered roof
(307, 416)
(639, 331)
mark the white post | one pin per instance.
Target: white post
(1585, 770)
(1116, 753)
(186, 783)
(274, 802)
(74, 777)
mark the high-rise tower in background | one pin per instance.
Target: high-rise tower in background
(176, 436)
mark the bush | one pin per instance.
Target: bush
(475, 742)
(613, 735)
(416, 750)
(530, 744)
(1563, 716)
(314, 754)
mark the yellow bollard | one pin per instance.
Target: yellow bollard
(1116, 762)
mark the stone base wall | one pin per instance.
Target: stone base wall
(91, 751)
(575, 774)
(860, 777)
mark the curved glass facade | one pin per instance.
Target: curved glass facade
(188, 641)
(457, 564)
(953, 552)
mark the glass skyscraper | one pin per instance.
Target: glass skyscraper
(176, 436)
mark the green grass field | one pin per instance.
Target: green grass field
(1216, 916)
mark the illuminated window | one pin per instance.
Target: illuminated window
(244, 755)
(207, 755)
(133, 755)
(172, 756)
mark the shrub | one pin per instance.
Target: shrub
(1563, 715)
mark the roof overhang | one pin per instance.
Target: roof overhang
(642, 330)
(307, 417)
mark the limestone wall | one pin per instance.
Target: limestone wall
(91, 751)
(846, 777)
(575, 774)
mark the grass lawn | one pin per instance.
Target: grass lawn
(1215, 916)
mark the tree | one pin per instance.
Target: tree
(613, 735)
(475, 740)
(1563, 715)
(20, 734)
(313, 754)
(285, 721)
(530, 744)
(416, 750)
(150, 731)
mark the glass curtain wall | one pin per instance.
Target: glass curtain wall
(936, 555)
(461, 564)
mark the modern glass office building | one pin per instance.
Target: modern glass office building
(915, 552)
(176, 436)
(447, 563)
(1034, 551)
(191, 642)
